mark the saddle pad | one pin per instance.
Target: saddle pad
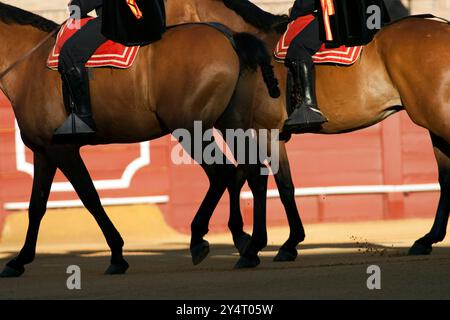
(342, 55)
(110, 54)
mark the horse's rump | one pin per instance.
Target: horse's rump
(416, 54)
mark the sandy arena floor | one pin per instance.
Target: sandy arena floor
(332, 265)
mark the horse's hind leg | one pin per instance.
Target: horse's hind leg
(438, 231)
(218, 179)
(235, 221)
(44, 172)
(258, 185)
(69, 161)
(283, 178)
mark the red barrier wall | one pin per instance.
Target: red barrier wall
(393, 153)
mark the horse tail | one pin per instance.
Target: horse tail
(257, 17)
(253, 53)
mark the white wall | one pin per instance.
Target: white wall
(276, 5)
(436, 7)
(55, 9)
(51, 9)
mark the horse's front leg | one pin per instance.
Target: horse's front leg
(69, 161)
(44, 172)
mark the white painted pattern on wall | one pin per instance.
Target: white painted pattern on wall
(110, 184)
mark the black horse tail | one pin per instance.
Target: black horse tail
(253, 53)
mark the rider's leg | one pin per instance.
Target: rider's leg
(306, 115)
(73, 57)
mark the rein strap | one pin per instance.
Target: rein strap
(29, 53)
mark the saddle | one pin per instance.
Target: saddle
(342, 55)
(110, 54)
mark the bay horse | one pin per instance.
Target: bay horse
(191, 74)
(406, 67)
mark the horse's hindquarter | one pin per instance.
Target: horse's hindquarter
(194, 74)
(356, 96)
(417, 54)
(189, 75)
(270, 113)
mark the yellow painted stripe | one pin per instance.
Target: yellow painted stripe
(135, 224)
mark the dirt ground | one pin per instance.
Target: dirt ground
(332, 264)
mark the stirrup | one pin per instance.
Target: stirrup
(73, 130)
(304, 119)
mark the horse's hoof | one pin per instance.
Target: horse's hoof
(242, 242)
(199, 252)
(9, 272)
(117, 268)
(285, 255)
(246, 263)
(419, 249)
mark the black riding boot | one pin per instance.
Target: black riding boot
(80, 123)
(306, 116)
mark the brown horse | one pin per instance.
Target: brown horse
(406, 67)
(151, 99)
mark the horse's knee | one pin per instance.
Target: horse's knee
(36, 211)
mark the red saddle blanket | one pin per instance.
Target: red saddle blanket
(110, 54)
(342, 55)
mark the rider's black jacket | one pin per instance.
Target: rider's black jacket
(302, 8)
